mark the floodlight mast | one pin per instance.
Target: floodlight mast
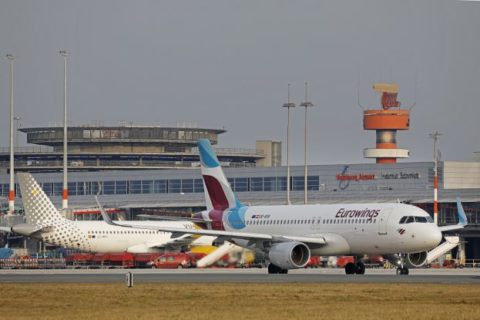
(11, 191)
(64, 54)
(288, 105)
(306, 104)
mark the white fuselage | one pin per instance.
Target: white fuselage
(98, 236)
(347, 228)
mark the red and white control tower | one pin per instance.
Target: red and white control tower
(386, 122)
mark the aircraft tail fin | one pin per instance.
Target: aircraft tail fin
(39, 209)
(218, 193)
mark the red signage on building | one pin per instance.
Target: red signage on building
(356, 177)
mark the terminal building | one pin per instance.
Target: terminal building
(128, 147)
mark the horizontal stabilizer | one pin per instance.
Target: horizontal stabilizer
(6, 229)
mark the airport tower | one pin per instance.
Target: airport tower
(386, 122)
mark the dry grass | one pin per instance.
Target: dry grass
(239, 301)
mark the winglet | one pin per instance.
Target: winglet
(462, 217)
(105, 215)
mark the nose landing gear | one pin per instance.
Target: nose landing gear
(402, 270)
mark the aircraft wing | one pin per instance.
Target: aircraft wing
(170, 218)
(180, 232)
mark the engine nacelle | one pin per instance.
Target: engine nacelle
(289, 255)
(416, 260)
(411, 260)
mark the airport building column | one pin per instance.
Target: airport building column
(461, 252)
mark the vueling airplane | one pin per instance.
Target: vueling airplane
(44, 222)
(289, 234)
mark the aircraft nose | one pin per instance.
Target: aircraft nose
(435, 236)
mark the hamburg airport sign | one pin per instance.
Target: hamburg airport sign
(344, 178)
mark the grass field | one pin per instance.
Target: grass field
(239, 301)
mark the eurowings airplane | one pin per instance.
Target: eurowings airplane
(44, 222)
(289, 234)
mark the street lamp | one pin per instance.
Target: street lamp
(64, 54)
(17, 126)
(435, 135)
(11, 191)
(306, 104)
(288, 105)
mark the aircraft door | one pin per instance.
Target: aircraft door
(383, 221)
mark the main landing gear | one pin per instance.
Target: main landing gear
(273, 269)
(355, 268)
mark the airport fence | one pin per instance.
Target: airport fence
(32, 263)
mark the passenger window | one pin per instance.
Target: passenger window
(403, 219)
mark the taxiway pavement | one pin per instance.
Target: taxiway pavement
(443, 276)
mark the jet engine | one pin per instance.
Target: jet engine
(289, 255)
(411, 260)
(416, 260)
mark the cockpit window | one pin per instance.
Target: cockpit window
(421, 219)
(410, 220)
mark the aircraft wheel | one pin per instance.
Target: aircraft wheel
(360, 268)
(402, 271)
(273, 269)
(350, 268)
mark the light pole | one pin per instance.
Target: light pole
(306, 104)
(64, 54)
(11, 191)
(435, 135)
(17, 125)
(288, 105)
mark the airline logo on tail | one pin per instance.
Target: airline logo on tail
(221, 202)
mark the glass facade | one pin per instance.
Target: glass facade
(110, 187)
